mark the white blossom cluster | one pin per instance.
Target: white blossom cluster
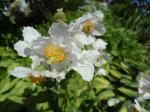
(68, 47)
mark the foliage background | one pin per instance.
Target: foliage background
(128, 41)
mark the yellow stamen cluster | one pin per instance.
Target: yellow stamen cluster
(37, 79)
(88, 27)
(54, 54)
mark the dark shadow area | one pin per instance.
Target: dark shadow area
(10, 106)
(30, 103)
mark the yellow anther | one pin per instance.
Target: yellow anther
(54, 54)
(88, 27)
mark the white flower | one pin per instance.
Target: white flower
(58, 53)
(113, 101)
(54, 52)
(144, 87)
(91, 53)
(89, 23)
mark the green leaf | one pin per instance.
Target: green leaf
(42, 106)
(20, 87)
(115, 73)
(123, 109)
(6, 85)
(129, 83)
(105, 95)
(16, 99)
(121, 98)
(3, 97)
(5, 63)
(101, 83)
(128, 92)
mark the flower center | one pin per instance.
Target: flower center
(88, 27)
(37, 79)
(54, 54)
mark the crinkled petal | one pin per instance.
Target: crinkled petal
(59, 30)
(100, 44)
(35, 61)
(53, 74)
(98, 15)
(99, 30)
(30, 34)
(49, 74)
(90, 56)
(61, 76)
(86, 71)
(85, 17)
(146, 95)
(39, 45)
(81, 40)
(21, 72)
(20, 47)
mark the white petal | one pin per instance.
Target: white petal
(59, 30)
(39, 45)
(86, 71)
(35, 61)
(36, 73)
(112, 102)
(21, 72)
(100, 44)
(99, 30)
(54, 74)
(61, 76)
(81, 39)
(144, 85)
(99, 15)
(85, 17)
(49, 74)
(75, 50)
(146, 95)
(101, 72)
(22, 5)
(20, 47)
(90, 56)
(30, 34)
